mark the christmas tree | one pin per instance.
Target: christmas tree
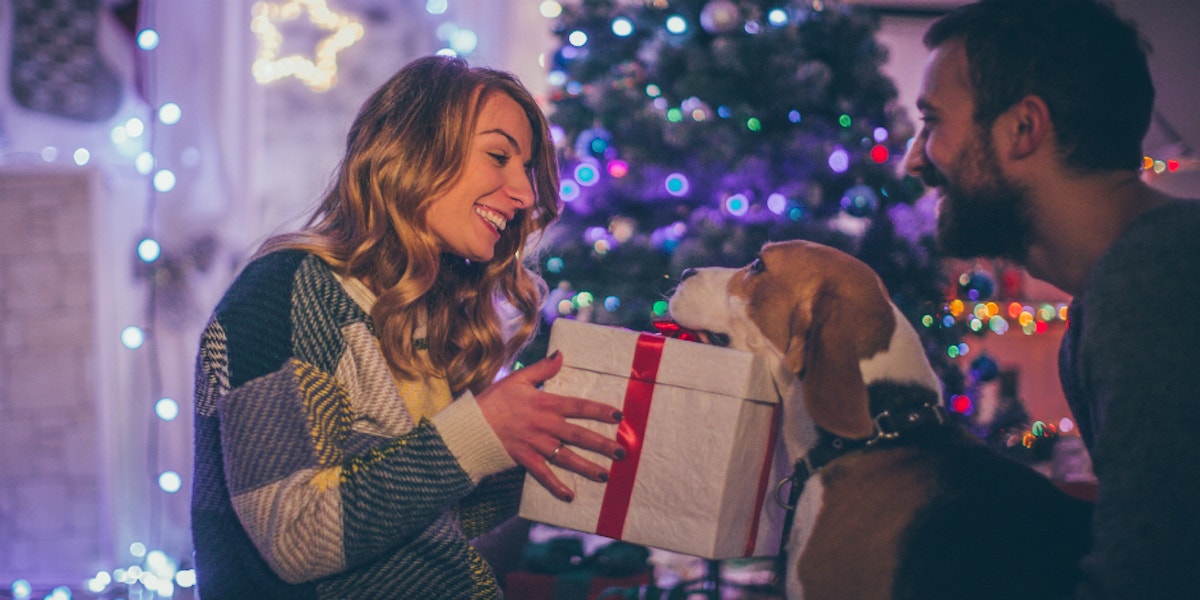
(693, 131)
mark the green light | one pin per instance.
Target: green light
(674, 115)
(660, 308)
(753, 124)
(844, 121)
(952, 351)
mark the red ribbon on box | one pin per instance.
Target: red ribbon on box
(639, 392)
(764, 477)
(636, 410)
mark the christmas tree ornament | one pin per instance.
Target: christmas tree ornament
(56, 67)
(860, 201)
(593, 142)
(976, 285)
(720, 16)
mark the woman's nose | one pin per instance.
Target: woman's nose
(520, 189)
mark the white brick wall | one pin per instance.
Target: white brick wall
(50, 496)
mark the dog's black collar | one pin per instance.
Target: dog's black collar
(893, 425)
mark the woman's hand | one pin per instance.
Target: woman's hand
(533, 426)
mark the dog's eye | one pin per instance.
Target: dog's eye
(758, 266)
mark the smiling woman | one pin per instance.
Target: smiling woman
(469, 218)
(351, 436)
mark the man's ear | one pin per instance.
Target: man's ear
(1025, 127)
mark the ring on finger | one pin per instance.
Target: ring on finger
(554, 455)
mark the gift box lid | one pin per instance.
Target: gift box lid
(684, 364)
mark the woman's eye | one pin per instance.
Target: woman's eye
(758, 266)
(501, 159)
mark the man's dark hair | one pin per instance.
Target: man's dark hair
(1085, 61)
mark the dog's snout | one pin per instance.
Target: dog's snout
(687, 273)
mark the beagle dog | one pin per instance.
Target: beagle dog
(890, 500)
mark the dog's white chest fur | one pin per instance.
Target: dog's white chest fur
(807, 509)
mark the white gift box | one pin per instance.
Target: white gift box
(699, 429)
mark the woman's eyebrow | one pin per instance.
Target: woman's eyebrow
(511, 140)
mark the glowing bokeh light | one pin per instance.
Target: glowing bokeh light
(622, 27)
(777, 203)
(550, 9)
(170, 482)
(149, 250)
(737, 205)
(147, 39)
(133, 337)
(464, 41)
(164, 180)
(677, 185)
(169, 113)
(660, 308)
(839, 161)
(568, 190)
(677, 24)
(587, 174)
(167, 409)
(960, 403)
(144, 163)
(879, 153)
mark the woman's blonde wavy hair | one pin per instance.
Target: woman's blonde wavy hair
(408, 144)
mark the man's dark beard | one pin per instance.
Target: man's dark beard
(989, 220)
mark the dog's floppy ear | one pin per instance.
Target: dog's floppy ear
(833, 386)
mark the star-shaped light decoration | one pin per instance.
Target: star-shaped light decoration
(318, 74)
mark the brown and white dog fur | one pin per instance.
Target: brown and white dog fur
(940, 516)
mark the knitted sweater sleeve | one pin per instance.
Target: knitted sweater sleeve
(324, 466)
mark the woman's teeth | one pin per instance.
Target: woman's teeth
(496, 219)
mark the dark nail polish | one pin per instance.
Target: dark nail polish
(618, 415)
(568, 497)
(553, 355)
(619, 454)
(602, 477)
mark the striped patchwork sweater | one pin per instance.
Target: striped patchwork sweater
(312, 479)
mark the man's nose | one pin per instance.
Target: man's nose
(915, 160)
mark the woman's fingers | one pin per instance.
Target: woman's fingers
(562, 456)
(533, 426)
